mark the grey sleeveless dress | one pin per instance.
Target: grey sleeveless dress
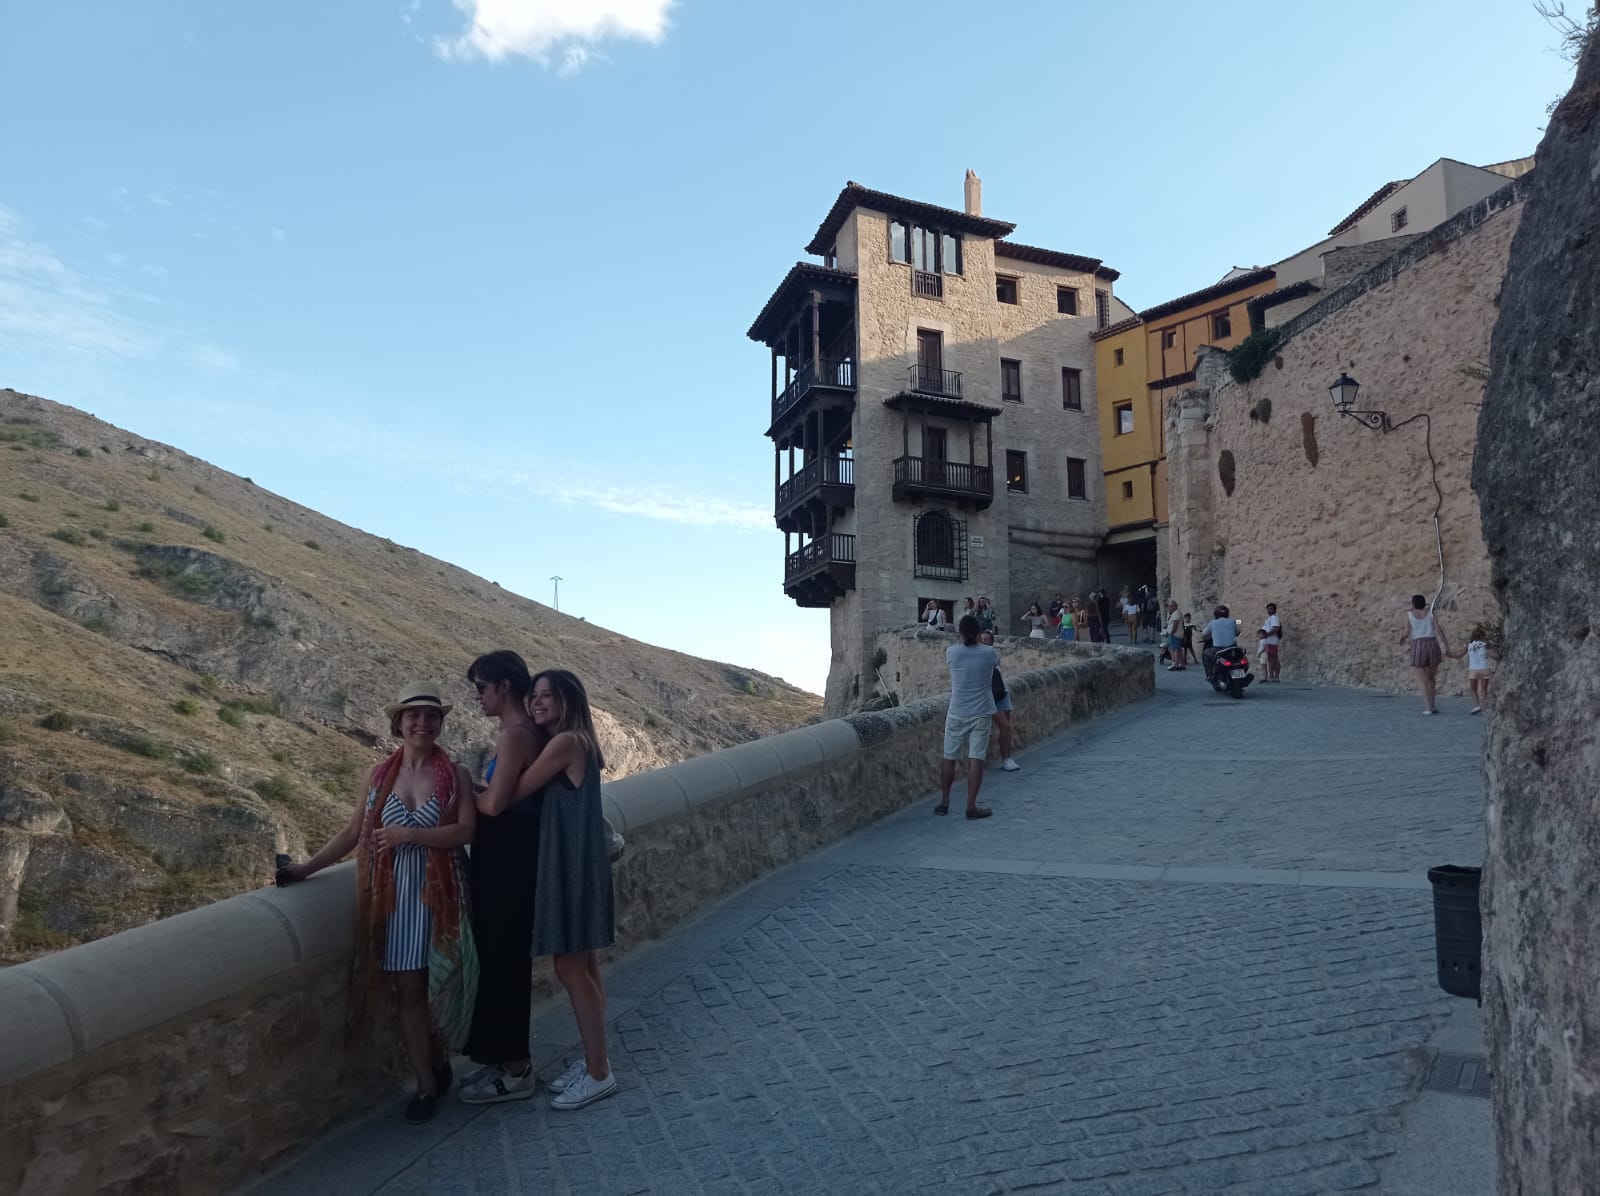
(573, 907)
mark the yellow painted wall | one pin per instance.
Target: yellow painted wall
(1191, 328)
(1128, 458)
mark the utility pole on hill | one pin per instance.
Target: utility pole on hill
(557, 579)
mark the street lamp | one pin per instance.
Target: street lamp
(1343, 393)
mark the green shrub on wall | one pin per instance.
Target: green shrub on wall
(1249, 357)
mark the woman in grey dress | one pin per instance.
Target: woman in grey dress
(573, 912)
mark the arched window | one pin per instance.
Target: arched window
(941, 546)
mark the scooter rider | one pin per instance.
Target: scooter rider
(1219, 633)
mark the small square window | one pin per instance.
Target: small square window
(1127, 489)
(1071, 388)
(1007, 290)
(1067, 301)
(1016, 471)
(1077, 474)
(1124, 417)
(1221, 326)
(1010, 380)
(1398, 220)
(1169, 339)
(1116, 356)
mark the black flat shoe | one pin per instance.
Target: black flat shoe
(443, 1076)
(942, 809)
(420, 1110)
(978, 812)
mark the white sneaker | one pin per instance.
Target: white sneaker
(564, 1081)
(584, 1090)
(501, 1085)
(1476, 710)
(1010, 765)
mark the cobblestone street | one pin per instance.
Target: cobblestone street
(1192, 952)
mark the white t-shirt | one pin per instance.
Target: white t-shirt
(1477, 655)
(971, 673)
(1273, 627)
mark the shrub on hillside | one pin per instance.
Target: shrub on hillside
(202, 764)
(144, 745)
(231, 715)
(70, 535)
(274, 788)
(214, 533)
(56, 720)
(186, 706)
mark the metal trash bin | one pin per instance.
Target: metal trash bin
(1457, 928)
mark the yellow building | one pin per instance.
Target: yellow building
(1139, 364)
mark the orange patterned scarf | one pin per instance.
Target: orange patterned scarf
(452, 957)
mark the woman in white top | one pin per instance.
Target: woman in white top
(933, 615)
(1036, 621)
(1428, 646)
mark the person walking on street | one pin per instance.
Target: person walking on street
(1428, 645)
(1097, 627)
(1188, 639)
(967, 723)
(1175, 637)
(1130, 616)
(1478, 653)
(1002, 710)
(1271, 639)
(1103, 602)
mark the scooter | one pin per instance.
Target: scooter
(1228, 670)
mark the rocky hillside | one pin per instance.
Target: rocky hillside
(193, 669)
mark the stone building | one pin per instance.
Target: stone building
(1140, 363)
(932, 419)
(1276, 496)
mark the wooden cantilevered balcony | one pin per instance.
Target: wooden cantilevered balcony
(821, 570)
(822, 483)
(823, 373)
(920, 478)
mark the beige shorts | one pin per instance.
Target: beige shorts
(1479, 674)
(970, 734)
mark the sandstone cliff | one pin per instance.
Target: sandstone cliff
(1538, 475)
(193, 669)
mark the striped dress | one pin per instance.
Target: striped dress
(410, 927)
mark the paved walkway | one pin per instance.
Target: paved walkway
(1192, 952)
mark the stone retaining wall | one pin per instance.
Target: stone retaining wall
(188, 1053)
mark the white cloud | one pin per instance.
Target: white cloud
(279, 236)
(564, 34)
(159, 198)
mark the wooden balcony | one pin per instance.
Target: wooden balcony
(931, 380)
(826, 373)
(825, 481)
(821, 571)
(919, 478)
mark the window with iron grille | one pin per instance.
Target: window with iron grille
(1077, 483)
(1010, 380)
(1071, 388)
(940, 546)
(1102, 309)
(1398, 220)
(1067, 301)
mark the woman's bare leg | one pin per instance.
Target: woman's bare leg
(579, 974)
(416, 1038)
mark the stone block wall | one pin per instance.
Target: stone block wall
(1332, 520)
(188, 1053)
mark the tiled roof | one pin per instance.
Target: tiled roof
(1054, 257)
(801, 274)
(1100, 334)
(915, 400)
(1227, 286)
(1376, 198)
(1282, 295)
(856, 196)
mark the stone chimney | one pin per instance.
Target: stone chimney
(974, 194)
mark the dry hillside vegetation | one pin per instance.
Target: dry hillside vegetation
(192, 672)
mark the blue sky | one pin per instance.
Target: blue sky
(475, 274)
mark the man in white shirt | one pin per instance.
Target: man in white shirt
(1217, 634)
(1271, 638)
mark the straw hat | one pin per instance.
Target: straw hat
(418, 695)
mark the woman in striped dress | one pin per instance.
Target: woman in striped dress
(408, 830)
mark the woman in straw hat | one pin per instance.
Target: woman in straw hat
(408, 828)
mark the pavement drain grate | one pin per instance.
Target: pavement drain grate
(1463, 1075)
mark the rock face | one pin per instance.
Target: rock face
(1538, 477)
(194, 669)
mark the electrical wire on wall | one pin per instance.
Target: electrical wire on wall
(1438, 494)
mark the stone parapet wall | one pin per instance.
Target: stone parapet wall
(189, 1053)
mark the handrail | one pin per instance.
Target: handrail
(837, 373)
(813, 475)
(933, 380)
(836, 548)
(956, 477)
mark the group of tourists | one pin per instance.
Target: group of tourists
(455, 932)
